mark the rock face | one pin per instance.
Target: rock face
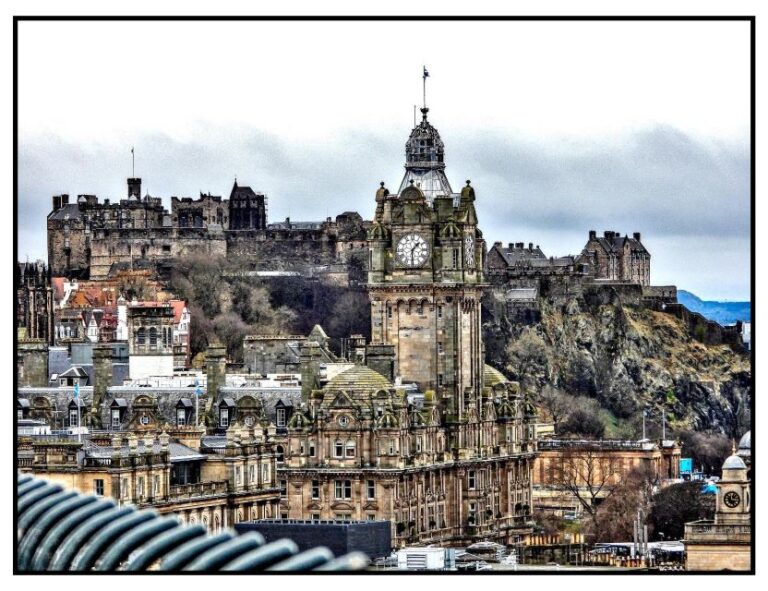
(628, 358)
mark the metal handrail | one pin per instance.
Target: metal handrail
(62, 530)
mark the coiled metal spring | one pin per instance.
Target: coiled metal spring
(63, 530)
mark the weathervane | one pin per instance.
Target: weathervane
(424, 83)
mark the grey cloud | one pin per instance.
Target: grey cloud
(673, 188)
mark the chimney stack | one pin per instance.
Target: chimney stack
(592, 235)
(636, 236)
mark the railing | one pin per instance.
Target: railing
(544, 444)
(59, 530)
(199, 489)
(709, 531)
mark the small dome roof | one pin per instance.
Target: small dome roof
(359, 377)
(492, 376)
(734, 463)
(746, 441)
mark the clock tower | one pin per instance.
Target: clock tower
(425, 278)
(733, 494)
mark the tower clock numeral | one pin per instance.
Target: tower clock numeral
(412, 250)
(732, 499)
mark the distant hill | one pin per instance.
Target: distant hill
(721, 312)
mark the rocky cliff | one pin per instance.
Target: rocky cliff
(628, 358)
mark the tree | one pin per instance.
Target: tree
(588, 474)
(583, 423)
(528, 360)
(676, 505)
(617, 514)
(708, 450)
(555, 403)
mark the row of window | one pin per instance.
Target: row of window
(342, 489)
(142, 334)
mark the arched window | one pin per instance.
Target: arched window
(350, 449)
(141, 336)
(153, 337)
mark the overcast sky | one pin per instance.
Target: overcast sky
(562, 127)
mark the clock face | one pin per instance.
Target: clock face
(412, 250)
(469, 251)
(732, 499)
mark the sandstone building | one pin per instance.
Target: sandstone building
(455, 464)
(724, 543)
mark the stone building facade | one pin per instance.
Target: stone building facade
(725, 543)
(617, 257)
(34, 302)
(453, 464)
(97, 240)
(150, 340)
(595, 466)
(179, 472)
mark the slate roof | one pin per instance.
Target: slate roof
(178, 452)
(616, 243)
(74, 372)
(69, 211)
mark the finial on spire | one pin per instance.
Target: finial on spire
(424, 82)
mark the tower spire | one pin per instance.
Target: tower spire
(424, 85)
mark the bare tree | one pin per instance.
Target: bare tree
(588, 474)
(555, 403)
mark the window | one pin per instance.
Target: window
(343, 489)
(98, 487)
(338, 449)
(439, 311)
(455, 258)
(301, 448)
(73, 418)
(144, 420)
(439, 347)
(471, 514)
(281, 417)
(371, 517)
(181, 417)
(392, 447)
(371, 486)
(115, 418)
(251, 474)
(315, 489)
(249, 421)
(316, 516)
(350, 449)
(343, 516)
(280, 453)
(283, 515)
(153, 337)
(265, 479)
(141, 336)
(283, 489)
(238, 475)
(389, 312)
(155, 485)
(140, 487)
(418, 445)
(471, 479)
(439, 379)
(312, 449)
(124, 490)
(343, 420)
(224, 417)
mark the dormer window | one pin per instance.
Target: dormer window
(224, 417)
(281, 417)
